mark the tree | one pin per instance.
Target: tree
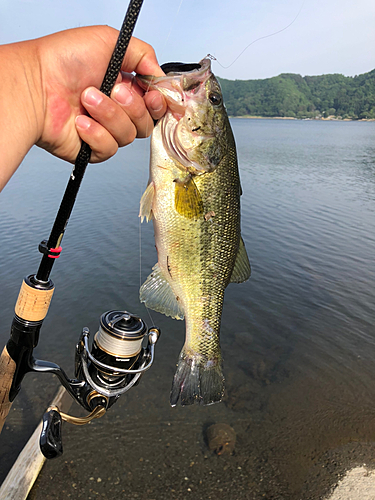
(293, 95)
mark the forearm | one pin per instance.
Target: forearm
(21, 105)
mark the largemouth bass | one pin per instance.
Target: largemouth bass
(193, 197)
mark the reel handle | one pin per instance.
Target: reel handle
(50, 437)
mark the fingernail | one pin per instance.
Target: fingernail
(83, 122)
(93, 97)
(122, 94)
(157, 103)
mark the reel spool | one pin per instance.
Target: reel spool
(118, 341)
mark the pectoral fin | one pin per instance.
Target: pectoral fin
(242, 270)
(187, 199)
(145, 209)
(157, 294)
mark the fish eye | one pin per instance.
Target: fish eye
(215, 98)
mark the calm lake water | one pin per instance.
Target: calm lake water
(298, 338)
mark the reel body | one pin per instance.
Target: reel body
(114, 364)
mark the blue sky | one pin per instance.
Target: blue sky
(328, 36)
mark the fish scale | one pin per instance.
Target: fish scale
(193, 197)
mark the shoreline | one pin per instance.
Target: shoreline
(329, 118)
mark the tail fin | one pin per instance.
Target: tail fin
(197, 380)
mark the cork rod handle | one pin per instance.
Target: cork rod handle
(7, 369)
(31, 306)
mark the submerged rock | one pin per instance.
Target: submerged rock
(221, 439)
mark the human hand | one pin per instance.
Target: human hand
(47, 84)
(73, 64)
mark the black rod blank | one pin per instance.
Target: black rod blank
(83, 157)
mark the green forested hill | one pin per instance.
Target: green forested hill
(302, 97)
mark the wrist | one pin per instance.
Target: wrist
(30, 87)
(21, 105)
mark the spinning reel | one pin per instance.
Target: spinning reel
(114, 363)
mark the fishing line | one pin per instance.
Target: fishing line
(149, 314)
(261, 38)
(140, 234)
(172, 25)
(224, 67)
(140, 223)
(140, 257)
(140, 268)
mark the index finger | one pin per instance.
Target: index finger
(141, 58)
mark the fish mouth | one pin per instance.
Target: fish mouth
(180, 79)
(175, 70)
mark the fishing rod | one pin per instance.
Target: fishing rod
(117, 357)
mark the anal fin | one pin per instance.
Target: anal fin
(241, 270)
